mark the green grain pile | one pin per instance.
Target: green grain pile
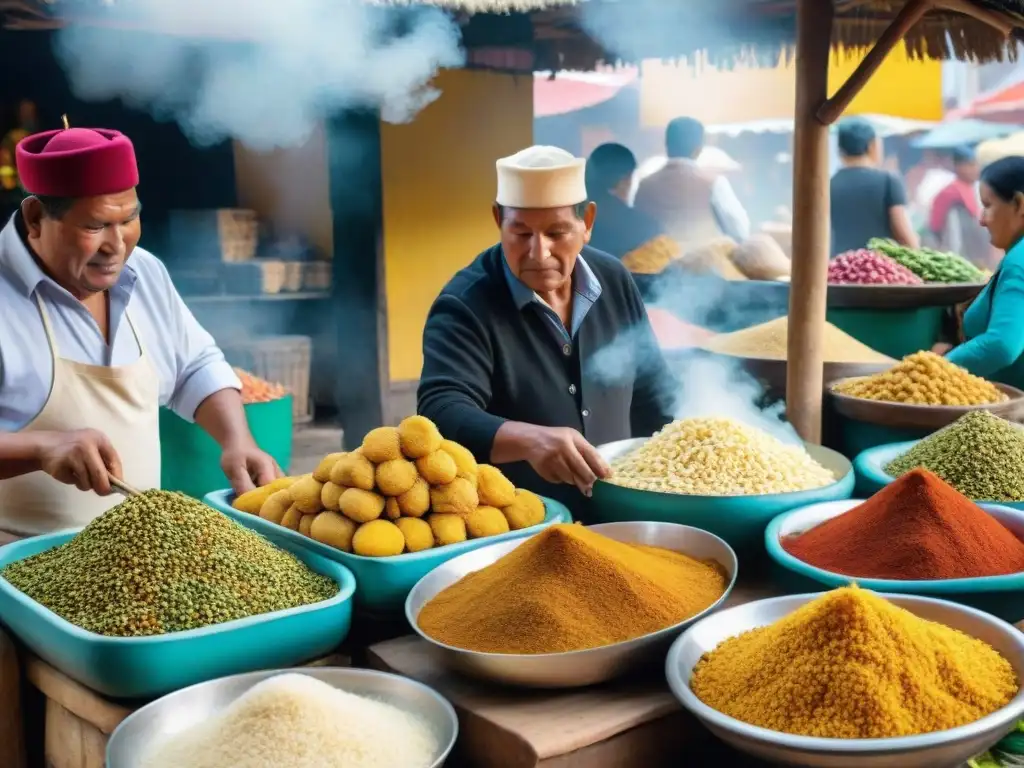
(163, 562)
(979, 454)
(930, 265)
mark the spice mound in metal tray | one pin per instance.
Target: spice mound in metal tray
(163, 562)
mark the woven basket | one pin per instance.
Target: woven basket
(284, 360)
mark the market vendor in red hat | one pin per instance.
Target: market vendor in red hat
(94, 340)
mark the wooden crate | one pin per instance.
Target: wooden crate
(254, 277)
(293, 275)
(283, 360)
(232, 234)
(316, 276)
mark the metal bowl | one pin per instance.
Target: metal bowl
(575, 668)
(942, 749)
(179, 711)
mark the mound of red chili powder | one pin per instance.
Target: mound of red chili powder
(915, 528)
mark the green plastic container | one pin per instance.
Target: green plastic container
(190, 458)
(869, 466)
(147, 667)
(893, 332)
(383, 583)
(739, 520)
(1002, 596)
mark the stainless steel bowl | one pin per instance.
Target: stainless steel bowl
(943, 749)
(176, 712)
(576, 668)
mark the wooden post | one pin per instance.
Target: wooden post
(811, 226)
(12, 736)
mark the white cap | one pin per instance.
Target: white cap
(541, 177)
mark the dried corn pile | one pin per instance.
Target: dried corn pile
(768, 341)
(979, 454)
(718, 457)
(405, 489)
(924, 378)
(163, 562)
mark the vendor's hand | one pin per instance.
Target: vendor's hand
(941, 348)
(247, 467)
(563, 455)
(84, 458)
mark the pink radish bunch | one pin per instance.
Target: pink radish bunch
(865, 267)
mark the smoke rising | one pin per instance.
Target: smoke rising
(262, 71)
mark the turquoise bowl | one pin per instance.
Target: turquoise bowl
(869, 466)
(1002, 596)
(382, 583)
(147, 667)
(739, 520)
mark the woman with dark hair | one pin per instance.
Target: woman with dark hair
(992, 324)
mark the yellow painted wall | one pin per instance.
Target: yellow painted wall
(438, 178)
(901, 87)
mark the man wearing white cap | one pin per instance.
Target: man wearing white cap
(541, 348)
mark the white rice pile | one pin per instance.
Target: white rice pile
(296, 721)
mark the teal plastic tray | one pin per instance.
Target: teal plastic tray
(872, 477)
(740, 520)
(1002, 596)
(147, 667)
(382, 583)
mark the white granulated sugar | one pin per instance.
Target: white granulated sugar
(296, 721)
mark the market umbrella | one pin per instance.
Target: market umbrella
(962, 132)
(570, 91)
(1005, 105)
(996, 149)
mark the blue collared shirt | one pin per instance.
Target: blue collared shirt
(184, 356)
(586, 291)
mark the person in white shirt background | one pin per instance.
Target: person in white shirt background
(93, 340)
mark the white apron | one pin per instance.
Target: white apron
(122, 402)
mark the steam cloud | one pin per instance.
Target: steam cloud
(287, 65)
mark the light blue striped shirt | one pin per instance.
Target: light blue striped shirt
(184, 356)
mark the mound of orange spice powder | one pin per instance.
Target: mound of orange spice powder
(917, 527)
(851, 665)
(569, 589)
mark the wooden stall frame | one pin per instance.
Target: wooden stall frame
(815, 112)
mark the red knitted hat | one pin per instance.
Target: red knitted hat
(77, 162)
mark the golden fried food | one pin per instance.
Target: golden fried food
(330, 494)
(437, 468)
(306, 494)
(395, 477)
(276, 505)
(378, 538)
(418, 437)
(382, 444)
(361, 506)
(322, 473)
(306, 524)
(334, 530)
(292, 517)
(416, 501)
(447, 529)
(494, 488)
(252, 501)
(459, 497)
(353, 470)
(485, 521)
(526, 511)
(417, 533)
(391, 509)
(465, 463)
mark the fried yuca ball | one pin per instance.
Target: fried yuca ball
(416, 501)
(382, 444)
(334, 530)
(485, 521)
(418, 437)
(395, 477)
(276, 505)
(494, 488)
(330, 494)
(252, 501)
(292, 517)
(391, 509)
(361, 506)
(526, 511)
(437, 468)
(459, 497)
(353, 470)
(322, 473)
(465, 463)
(378, 538)
(306, 494)
(447, 529)
(306, 524)
(417, 533)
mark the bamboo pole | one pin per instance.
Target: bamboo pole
(811, 226)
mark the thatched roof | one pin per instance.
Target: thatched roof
(525, 35)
